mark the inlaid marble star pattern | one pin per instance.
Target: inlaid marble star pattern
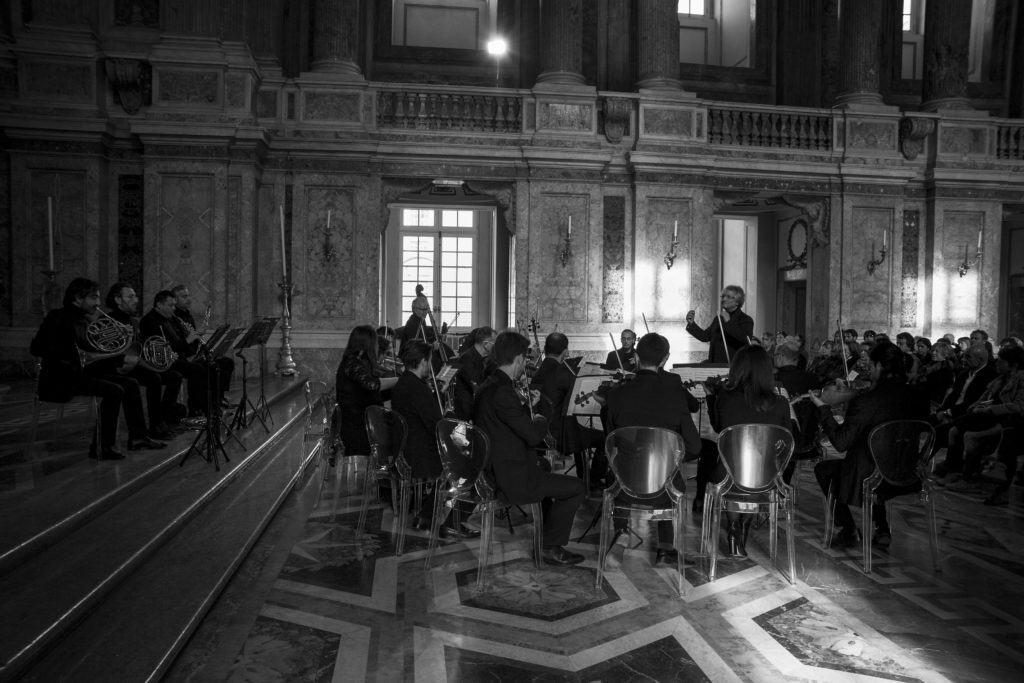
(551, 624)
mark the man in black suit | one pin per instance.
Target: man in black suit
(514, 435)
(737, 326)
(160, 321)
(183, 314)
(63, 376)
(413, 400)
(968, 386)
(654, 399)
(626, 354)
(474, 368)
(161, 387)
(555, 380)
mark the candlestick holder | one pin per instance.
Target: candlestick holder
(670, 255)
(566, 253)
(874, 263)
(48, 289)
(285, 363)
(967, 264)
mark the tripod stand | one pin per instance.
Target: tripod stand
(245, 403)
(208, 441)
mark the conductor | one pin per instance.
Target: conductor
(730, 327)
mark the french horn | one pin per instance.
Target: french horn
(107, 338)
(157, 354)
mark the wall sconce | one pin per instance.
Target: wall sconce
(968, 264)
(874, 263)
(566, 253)
(670, 255)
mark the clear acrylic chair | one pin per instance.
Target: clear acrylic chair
(37, 406)
(465, 456)
(387, 432)
(754, 456)
(318, 430)
(645, 461)
(902, 451)
(807, 449)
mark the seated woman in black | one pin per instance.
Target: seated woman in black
(413, 400)
(748, 396)
(358, 387)
(889, 398)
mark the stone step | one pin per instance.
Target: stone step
(58, 593)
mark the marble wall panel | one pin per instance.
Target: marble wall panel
(660, 291)
(960, 304)
(6, 238)
(560, 292)
(867, 300)
(670, 122)
(909, 268)
(328, 106)
(236, 91)
(130, 232)
(614, 259)
(266, 104)
(187, 237)
(327, 254)
(65, 80)
(565, 117)
(871, 135)
(188, 86)
(963, 140)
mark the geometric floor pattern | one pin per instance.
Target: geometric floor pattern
(344, 608)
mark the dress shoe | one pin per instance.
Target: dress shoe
(162, 431)
(461, 532)
(561, 556)
(882, 538)
(846, 538)
(106, 453)
(145, 444)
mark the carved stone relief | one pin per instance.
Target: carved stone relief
(558, 116)
(324, 106)
(329, 262)
(871, 135)
(616, 111)
(57, 78)
(668, 122)
(818, 218)
(961, 140)
(196, 87)
(137, 13)
(131, 80)
(235, 90)
(913, 131)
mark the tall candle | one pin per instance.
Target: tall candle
(885, 239)
(284, 253)
(49, 228)
(979, 240)
(570, 226)
(328, 220)
(675, 230)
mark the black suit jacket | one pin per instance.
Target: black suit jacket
(974, 391)
(796, 382)
(654, 399)
(56, 344)
(513, 436)
(739, 327)
(555, 382)
(153, 324)
(473, 370)
(413, 400)
(888, 400)
(629, 362)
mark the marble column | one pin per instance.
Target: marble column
(658, 45)
(946, 46)
(561, 43)
(860, 52)
(336, 38)
(190, 17)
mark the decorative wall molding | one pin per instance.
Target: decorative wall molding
(132, 82)
(616, 111)
(818, 217)
(913, 131)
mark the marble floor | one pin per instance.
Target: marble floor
(316, 602)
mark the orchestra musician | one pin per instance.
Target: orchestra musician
(417, 327)
(359, 384)
(731, 324)
(627, 353)
(58, 343)
(474, 368)
(161, 387)
(514, 433)
(414, 401)
(555, 379)
(225, 364)
(655, 399)
(160, 322)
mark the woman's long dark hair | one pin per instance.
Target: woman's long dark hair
(362, 341)
(751, 373)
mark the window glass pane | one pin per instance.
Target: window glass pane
(410, 217)
(465, 275)
(466, 244)
(449, 219)
(465, 219)
(465, 289)
(449, 259)
(426, 218)
(466, 260)
(410, 242)
(408, 274)
(408, 289)
(448, 289)
(450, 306)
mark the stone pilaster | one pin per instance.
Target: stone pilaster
(658, 45)
(336, 38)
(860, 52)
(946, 47)
(191, 17)
(561, 43)
(232, 20)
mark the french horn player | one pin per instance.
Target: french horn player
(153, 369)
(58, 343)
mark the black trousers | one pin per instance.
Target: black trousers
(827, 473)
(562, 496)
(161, 393)
(130, 400)
(110, 395)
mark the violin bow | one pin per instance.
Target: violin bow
(646, 327)
(616, 349)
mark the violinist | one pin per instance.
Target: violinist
(555, 379)
(359, 385)
(626, 354)
(413, 400)
(514, 433)
(474, 367)
(654, 399)
(386, 351)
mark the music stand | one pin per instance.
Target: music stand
(245, 403)
(209, 440)
(267, 326)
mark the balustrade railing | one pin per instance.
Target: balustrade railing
(779, 129)
(1010, 141)
(475, 112)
